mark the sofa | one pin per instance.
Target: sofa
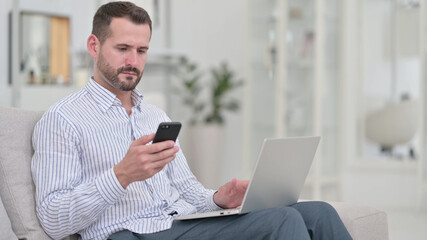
(18, 219)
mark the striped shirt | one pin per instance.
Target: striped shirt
(77, 143)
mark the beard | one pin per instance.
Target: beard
(111, 75)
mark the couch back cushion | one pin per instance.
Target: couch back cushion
(16, 184)
(5, 226)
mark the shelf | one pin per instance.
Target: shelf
(383, 164)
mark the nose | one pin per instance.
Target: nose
(131, 58)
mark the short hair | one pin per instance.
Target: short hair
(106, 13)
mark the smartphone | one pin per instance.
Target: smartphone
(167, 131)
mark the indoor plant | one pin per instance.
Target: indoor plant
(222, 82)
(208, 99)
(208, 108)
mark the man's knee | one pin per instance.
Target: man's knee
(286, 221)
(324, 209)
(283, 214)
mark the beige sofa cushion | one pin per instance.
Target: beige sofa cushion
(5, 226)
(16, 184)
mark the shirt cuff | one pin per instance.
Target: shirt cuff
(109, 187)
(211, 203)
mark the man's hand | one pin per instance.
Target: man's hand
(144, 161)
(231, 194)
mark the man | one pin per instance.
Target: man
(97, 174)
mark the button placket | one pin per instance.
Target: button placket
(133, 125)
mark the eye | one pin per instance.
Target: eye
(142, 51)
(122, 49)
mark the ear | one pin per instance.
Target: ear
(93, 45)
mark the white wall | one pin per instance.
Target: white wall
(211, 31)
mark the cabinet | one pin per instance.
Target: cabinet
(379, 66)
(293, 84)
(392, 80)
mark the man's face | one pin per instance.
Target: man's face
(121, 59)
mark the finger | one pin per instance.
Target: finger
(161, 146)
(159, 165)
(144, 139)
(171, 152)
(234, 181)
(152, 158)
(232, 185)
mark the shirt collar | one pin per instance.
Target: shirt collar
(107, 99)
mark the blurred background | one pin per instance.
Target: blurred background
(236, 72)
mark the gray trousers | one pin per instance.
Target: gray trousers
(305, 220)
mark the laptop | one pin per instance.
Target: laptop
(278, 177)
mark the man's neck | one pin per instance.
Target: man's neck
(125, 97)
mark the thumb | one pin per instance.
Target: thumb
(232, 185)
(144, 139)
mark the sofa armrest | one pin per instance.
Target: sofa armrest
(363, 222)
